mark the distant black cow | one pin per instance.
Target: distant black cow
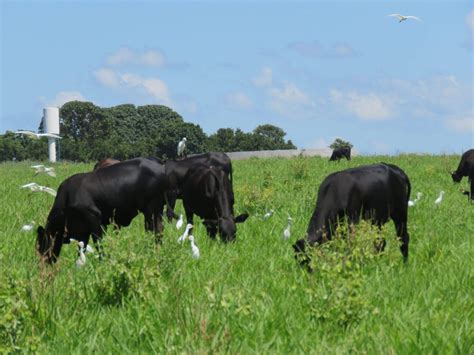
(207, 192)
(466, 168)
(339, 153)
(103, 163)
(176, 170)
(374, 192)
(85, 203)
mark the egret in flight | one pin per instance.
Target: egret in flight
(44, 169)
(38, 135)
(33, 186)
(404, 18)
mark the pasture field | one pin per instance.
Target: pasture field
(249, 296)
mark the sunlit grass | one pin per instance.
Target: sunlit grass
(250, 295)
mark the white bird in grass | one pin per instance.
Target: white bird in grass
(268, 214)
(38, 135)
(179, 222)
(81, 261)
(181, 146)
(44, 169)
(28, 227)
(185, 234)
(33, 186)
(194, 248)
(404, 18)
(439, 199)
(418, 196)
(287, 232)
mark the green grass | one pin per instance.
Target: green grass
(249, 296)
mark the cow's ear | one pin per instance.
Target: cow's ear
(241, 218)
(210, 187)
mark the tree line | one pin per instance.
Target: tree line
(91, 133)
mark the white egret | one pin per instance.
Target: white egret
(44, 169)
(411, 203)
(405, 17)
(287, 232)
(183, 237)
(181, 146)
(194, 248)
(439, 199)
(33, 186)
(38, 135)
(81, 261)
(179, 222)
(268, 214)
(28, 227)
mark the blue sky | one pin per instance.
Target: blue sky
(319, 70)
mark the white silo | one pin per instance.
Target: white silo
(51, 125)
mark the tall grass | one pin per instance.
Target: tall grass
(249, 296)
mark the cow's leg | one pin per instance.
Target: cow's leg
(402, 234)
(94, 221)
(171, 203)
(154, 218)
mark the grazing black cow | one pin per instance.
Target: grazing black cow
(103, 163)
(176, 170)
(85, 203)
(374, 192)
(207, 192)
(466, 168)
(339, 153)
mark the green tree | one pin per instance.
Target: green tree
(340, 143)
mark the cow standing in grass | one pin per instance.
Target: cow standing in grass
(466, 168)
(374, 192)
(86, 203)
(339, 153)
(207, 192)
(176, 171)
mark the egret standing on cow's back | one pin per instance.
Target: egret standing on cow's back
(181, 146)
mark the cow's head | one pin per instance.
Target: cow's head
(218, 189)
(456, 176)
(47, 246)
(227, 226)
(300, 253)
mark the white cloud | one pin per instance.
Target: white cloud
(239, 100)
(126, 56)
(265, 78)
(290, 101)
(153, 86)
(63, 97)
(461, 124)
(365, 106)
(107, 77)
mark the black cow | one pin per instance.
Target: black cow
(339, 153)
(176, 170)
(374, 192)
(466, 168)
(207, 192)
(85, 203)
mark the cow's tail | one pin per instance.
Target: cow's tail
(408, 190)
